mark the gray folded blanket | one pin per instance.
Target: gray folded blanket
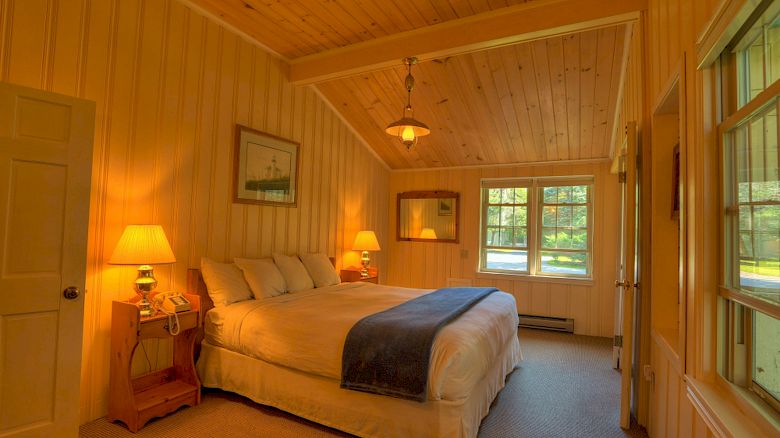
(389, 352)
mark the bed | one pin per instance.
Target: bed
(285, 352)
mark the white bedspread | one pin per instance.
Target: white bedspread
(306, 331)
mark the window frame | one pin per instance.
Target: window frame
(483, 247)
(534, 210)
(737, 308)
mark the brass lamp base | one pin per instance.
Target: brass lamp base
(145, 284)
(365, 261)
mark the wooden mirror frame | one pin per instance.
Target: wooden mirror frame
(427, 194)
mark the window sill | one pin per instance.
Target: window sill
(535, 278)
(730, 411)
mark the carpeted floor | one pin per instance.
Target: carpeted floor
(565, 387)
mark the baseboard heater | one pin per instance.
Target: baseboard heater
(547, 323)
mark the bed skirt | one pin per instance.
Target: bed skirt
(321, 400)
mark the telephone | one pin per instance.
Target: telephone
(171, 302)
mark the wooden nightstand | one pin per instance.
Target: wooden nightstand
(352, 274)
(135, 401)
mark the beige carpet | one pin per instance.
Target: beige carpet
(565, 387)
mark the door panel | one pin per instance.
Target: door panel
(45, 172)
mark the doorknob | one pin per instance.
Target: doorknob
(619, 283)
(71, 292)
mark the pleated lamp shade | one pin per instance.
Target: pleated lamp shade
(365, 241)
(142, 245)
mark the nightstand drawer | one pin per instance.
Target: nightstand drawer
(157, 327)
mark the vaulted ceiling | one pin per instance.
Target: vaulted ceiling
(516, 101)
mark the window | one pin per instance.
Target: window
(537, 226)
(750, 295)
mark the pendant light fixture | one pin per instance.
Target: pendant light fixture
(407, 128)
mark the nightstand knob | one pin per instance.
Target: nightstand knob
(71, 292)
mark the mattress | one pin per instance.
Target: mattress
(305, 331)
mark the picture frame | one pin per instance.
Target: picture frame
(265, 169)
(445, 206)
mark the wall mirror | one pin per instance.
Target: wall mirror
(427, 216)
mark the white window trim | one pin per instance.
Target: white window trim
(535, 185)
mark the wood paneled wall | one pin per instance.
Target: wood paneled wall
(670, 400)
(433, 265)
(672, 28)
(170, 85)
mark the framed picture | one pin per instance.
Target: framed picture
(445, 206)
(265, 170)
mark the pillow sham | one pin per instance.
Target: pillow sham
(320, 269)
(263, 277)
(225, 282)
(294, 273)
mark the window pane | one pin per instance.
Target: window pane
(521, 195)
(494, 196)
(564, 238)
(507, 216)
(564, 216)
(564, 263)
(507, 196)
(521, 237)
(759, 206)
(579, 194)
(491, 237)
(580, 216)
(549, 238)
(766, 353)
(755, 67)
(564, 195)
(549, 216)
(550, 195)
(773, 51)
(521, 216)
(579, 239)
(505, 238)
(506, 260)
(493, 216)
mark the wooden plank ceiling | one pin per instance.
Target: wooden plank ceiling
(296, 28)
(544, 100)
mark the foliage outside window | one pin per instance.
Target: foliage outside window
(751, 196)
(537, 226)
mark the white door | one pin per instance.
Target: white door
(626, 279)
(620, 263)
(45, 168)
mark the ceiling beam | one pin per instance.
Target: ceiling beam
(511, 25)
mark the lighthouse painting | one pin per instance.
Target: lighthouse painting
(265, 168)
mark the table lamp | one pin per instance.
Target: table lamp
(143, 245)
(428, 233)
(365, 241)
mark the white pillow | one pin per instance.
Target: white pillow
(294, 273)
(263, 277)
(224, 282)
(320, 269)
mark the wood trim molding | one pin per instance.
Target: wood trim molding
(526, 164)
(725, 23)
(621, 88)
(505, 26)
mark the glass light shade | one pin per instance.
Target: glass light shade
(366, 241)
(408, 130)
(142, 245)
(428, 233)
